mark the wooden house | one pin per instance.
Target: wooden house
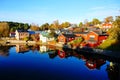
(21, 35)
(64, 38)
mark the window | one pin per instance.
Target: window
(92, 37)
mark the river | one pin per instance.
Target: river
(23, 62)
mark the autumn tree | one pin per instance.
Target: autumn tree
(56, 24)
(34, 27)
(44, 26)
(4, 29)
(108, 19)
(65, 25)
(115, 31)
(113, 41)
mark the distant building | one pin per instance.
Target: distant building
(106, 26)
(12, 34)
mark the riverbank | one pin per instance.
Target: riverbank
(92, 51)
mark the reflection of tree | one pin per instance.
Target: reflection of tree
(113, 71)
(4, 50)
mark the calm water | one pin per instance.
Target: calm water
(22, 62)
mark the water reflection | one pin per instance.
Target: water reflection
(113, 70)
(91, 62)
(4, 50)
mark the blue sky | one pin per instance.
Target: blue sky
(42, 11)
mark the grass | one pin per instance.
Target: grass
(109, 44)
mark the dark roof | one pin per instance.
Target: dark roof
(69, 35)
(80, 32)
(100, 33)
(22, 30)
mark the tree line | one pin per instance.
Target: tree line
(6, 27)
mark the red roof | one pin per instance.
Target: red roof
(90, 64)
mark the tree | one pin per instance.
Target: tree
(95, 21)
(56, 24)
(113, 41)
(81, 24)
(108, 19)
(4, 29)
(45, 26)
(26, 26)
(34, 27)
(86, 23)
(115, 31)
(65, 24)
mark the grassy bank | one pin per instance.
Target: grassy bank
(113, 45)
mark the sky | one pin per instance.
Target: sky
(47, 11)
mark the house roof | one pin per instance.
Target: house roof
(80, 32)
(100, 33)
(69, 35)
(31, 32)
(22, 30)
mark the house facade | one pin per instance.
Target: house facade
(64, 38)
(106, 26)
(95, 38)
(21, 35)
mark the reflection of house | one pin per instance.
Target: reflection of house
(43, 48)
(61, 54)
(94, 64)
(21, 35)
(21, 48)
(64, 38)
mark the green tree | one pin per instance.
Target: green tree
(44, 26)
(26, 26)
(115, 31)
(113, 41)
(81, 24)
(95, 21)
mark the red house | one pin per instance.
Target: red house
(64, 38)
(95, 38)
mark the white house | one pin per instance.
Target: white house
(43, 38)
